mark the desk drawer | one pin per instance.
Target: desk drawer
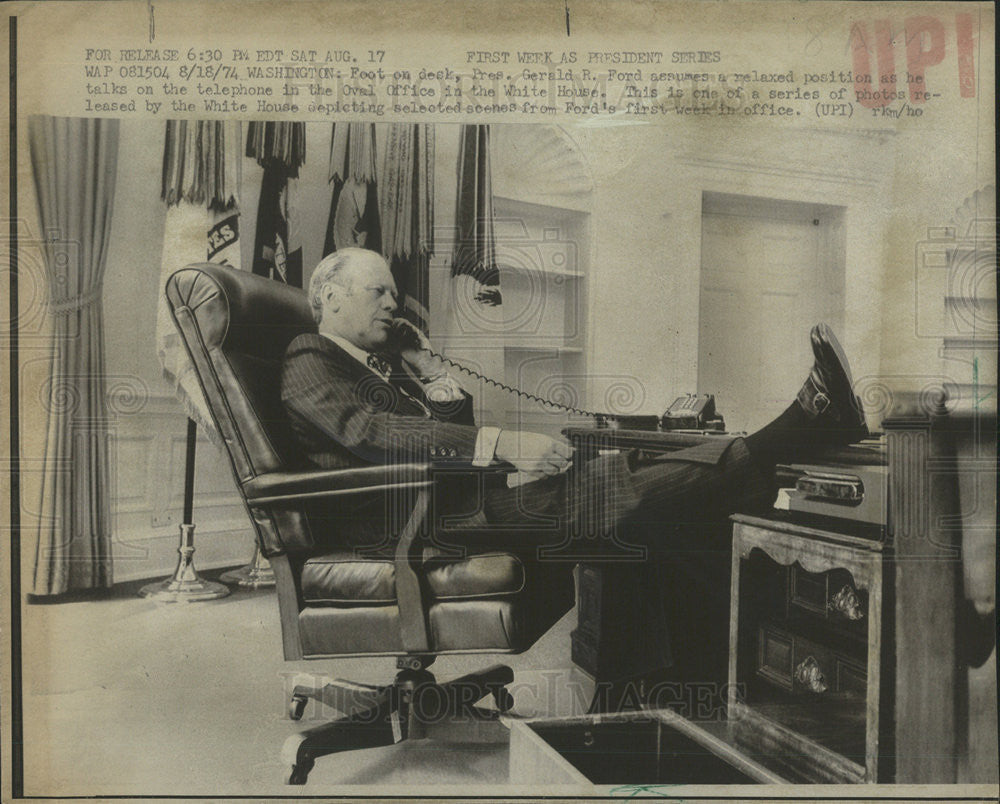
(800, 665)
(830, 595)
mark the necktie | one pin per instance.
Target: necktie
(382, 366)
(379, 363)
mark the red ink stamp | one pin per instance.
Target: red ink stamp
(924, 40)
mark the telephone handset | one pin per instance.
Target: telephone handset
(689, 412)
(403, 335)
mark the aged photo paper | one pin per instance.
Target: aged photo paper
(500, 400)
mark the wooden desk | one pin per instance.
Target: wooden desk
(589, 440)
(664, 750)
(942, 512)
(615, 581)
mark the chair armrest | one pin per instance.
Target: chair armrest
(411, 590)
(297, 486)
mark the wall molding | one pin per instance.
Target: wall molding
(782, 171)
(541, 164)
(839, 149)
(147, 447)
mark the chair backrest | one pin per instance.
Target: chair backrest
(236, 327)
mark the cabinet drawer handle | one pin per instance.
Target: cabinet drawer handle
(847, 603)
(810, 676)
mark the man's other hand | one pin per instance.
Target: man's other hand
(533, 453)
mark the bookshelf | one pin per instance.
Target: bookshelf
(544, 253)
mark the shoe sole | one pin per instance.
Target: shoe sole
(822, 335)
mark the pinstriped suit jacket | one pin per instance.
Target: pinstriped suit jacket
(343, 415)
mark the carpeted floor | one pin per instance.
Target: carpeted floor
(127, 697)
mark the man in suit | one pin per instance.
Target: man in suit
(365, 391)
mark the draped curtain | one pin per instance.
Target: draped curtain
(74, 163)
(354, 213)
(477, 331)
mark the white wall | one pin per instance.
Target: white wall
(934, 178)
(646, 226)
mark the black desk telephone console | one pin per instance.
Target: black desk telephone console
(688, 412)
(693, 412)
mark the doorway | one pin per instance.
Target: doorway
(770, 270)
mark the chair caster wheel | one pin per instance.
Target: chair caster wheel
(503, 699)
(297, 774)
(297, 706)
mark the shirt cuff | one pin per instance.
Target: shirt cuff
(486, 446)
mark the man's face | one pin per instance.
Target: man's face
(359, 305)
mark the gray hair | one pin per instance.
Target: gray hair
(326, 271)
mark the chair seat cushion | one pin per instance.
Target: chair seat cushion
(344, 578)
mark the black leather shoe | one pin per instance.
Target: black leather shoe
(828, 392)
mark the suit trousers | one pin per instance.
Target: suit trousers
(622, 498)
(660, 525)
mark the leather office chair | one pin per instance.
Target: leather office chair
(404, 598)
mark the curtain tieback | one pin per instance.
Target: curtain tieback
(72, 304)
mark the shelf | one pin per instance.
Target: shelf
(567, 350)
(548, 272)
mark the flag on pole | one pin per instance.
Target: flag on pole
(406, 205)
(354, 211)
(475, 251)
(277, 250)
(200, 186)
(279, 148)
(474, 323)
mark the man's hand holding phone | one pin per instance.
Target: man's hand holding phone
(412, 345)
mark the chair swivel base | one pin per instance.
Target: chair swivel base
(414, 706)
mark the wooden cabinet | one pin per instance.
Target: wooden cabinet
(809, 665)
(852, 658)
